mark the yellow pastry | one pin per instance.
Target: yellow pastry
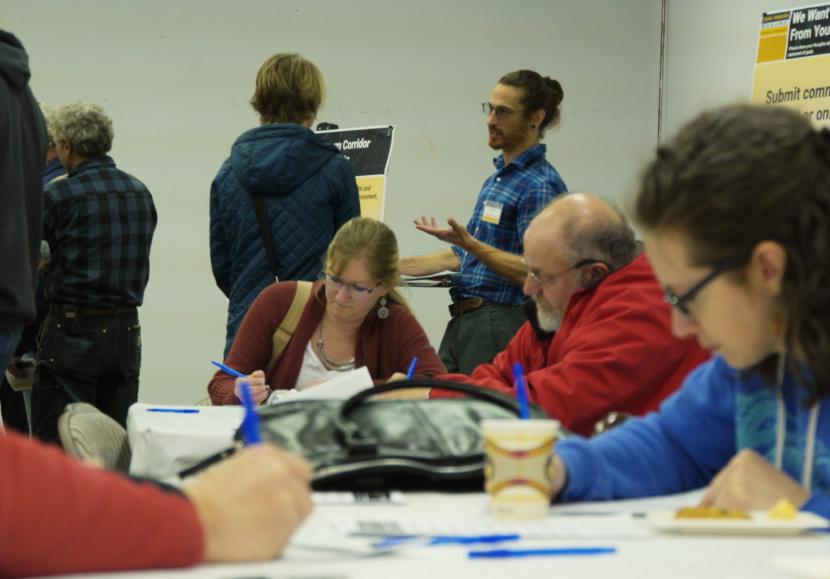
(709, 513)
(783, 510)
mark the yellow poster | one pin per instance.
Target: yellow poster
(792, 67)
(368, 150)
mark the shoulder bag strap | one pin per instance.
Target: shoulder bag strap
(265, 231)
(289, 323)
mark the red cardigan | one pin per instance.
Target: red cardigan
(60, 516)
(613, 352)
(383, 346)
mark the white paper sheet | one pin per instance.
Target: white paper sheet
(561, 527)
(341, 388)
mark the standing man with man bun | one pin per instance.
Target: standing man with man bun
(486, 309)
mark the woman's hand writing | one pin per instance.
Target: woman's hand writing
(256, 386)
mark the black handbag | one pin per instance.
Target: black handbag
(363, 444)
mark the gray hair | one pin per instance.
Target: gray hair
(84, 126)
(610, 241)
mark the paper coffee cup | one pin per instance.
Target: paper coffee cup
(518, 456)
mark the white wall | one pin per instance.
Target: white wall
(711, 54)
(176, 77)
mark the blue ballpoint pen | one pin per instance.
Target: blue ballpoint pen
(250, 424)
(427, 540)
(228, 369)
(411, 371)
(512, 553)
(521, 390)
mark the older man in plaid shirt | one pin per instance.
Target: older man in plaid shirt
(486, 310)
(99, 224)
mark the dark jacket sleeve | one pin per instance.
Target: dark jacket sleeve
(220, 254)
(60, 516)
(23, 146)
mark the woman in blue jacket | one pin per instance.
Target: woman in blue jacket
(307, 188)
(736, 215)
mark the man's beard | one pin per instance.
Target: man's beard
(549, 319)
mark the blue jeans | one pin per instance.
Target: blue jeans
(89, 356)
(8, 344)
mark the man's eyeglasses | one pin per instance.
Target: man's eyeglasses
(501, 112)
(682, 301)
(541, 280)
(355, 291)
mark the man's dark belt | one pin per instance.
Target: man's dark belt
(466, 305)
(70, 310)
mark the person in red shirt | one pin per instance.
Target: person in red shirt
(58, 515)
(598, 339)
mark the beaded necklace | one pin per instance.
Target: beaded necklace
(327, 362)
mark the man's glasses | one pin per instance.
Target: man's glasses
(682, 301)
(355, 291)
(541, 280)
(501, 112)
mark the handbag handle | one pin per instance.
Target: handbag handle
(349, 433)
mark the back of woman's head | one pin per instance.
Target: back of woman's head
(743, 174)
(369, 240)
(289, 89)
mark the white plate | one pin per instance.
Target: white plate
(759, 523)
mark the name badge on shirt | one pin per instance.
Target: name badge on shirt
(492, 212)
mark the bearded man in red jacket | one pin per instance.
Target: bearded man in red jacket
(599, 338)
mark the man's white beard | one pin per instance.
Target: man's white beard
(549, 320)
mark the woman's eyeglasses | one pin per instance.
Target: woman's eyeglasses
(682, 301)
(355, 291)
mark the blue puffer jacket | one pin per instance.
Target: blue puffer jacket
(309, 191)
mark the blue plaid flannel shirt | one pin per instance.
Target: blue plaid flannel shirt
(99, 224)
(523, 188)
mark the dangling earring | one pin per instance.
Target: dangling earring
(383, 311)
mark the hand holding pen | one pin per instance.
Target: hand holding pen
(256, 383)
(250, 423)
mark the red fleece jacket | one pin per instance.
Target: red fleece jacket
(613, 352)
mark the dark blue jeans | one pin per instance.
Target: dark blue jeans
(8, 344)
(85, 356)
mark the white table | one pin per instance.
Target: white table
(659, 555)
(168, 439)
(166, 442)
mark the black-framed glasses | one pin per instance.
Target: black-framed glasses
(355, 291)
(501, 112)
(541, 280)
(682, 301)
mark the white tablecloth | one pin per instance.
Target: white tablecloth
(165, 443)
(657, 555)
